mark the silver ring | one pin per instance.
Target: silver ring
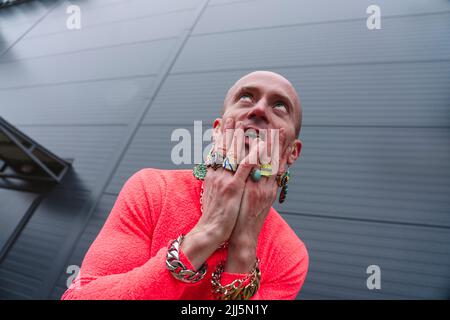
(230, 166)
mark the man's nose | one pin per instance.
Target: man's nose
(259, 111)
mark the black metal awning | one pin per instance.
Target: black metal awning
(5, 3)
(23, 158)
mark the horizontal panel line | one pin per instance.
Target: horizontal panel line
(375, 126)
(315, 65)
(324, 258)
(404, 282)
(62, 83)
(357, 291)
(14, 293)
(190, 124)
(95, 7)
(332, 244)
(108, 193)
(313, 125)
(379, 221)
(93, 26)
(86, 50)
(201, 34)
(11, 25)
(19, 272)
(105, 5)
(65, 186)
(18, 124)
(229, 3)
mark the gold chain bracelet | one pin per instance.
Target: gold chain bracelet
(236, 290)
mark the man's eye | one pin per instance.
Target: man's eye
(281, 106)
(246, 97)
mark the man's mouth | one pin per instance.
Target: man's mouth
(253, 133)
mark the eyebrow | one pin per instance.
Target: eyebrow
(278, 95)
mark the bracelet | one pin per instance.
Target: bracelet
(239, 289)
(178, 269)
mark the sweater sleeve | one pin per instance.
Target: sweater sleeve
(118, 264)
(285, 278)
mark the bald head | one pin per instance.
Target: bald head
(271, 81)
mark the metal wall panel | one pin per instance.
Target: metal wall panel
(151, 147)
(404, 95)
(109, 12)
(89, 102)
(414, 261)
(102, 36)
(266, 13)
(141, 59)
(13, 212)
(388, 174)
(401, 39)
(86, 238)
(31, 256)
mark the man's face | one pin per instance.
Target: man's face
(266, 100)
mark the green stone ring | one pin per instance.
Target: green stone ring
(256, 175)
(200, 171)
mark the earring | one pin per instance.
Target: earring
(282, 181)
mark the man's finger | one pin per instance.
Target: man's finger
(239, 142)
(235, 148)
(217, 140)
(249, 162)
(263, 157)
(229, 131)
(279, 138)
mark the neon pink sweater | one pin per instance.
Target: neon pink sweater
(127, 259)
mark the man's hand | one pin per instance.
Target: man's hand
(256, 202)
(222, 198)
(234, 207)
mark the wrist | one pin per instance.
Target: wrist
(198, 245)
(244, 240)
(241, 258)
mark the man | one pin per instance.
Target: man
(172, 236)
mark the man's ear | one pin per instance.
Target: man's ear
(295, 151)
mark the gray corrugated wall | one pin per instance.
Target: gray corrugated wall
(371, 187)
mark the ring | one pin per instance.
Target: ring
(214, 159)
(230, 166)
(266, 170)
(256, 175)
